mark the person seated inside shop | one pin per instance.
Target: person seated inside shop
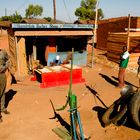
(56, 61)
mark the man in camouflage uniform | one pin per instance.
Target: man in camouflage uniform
(138, 73)
(4, 64)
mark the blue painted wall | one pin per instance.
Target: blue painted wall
(79, 58)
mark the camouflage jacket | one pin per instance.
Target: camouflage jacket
(4, 61)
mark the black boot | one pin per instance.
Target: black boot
(5, 111)
(1, 119)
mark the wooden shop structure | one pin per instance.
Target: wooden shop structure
(29, 42)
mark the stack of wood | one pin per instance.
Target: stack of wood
(115, 43)
(112, 25)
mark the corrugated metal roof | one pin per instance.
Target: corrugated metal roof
(39, 21)
(103, 20)
(5, 24)
(34, 21)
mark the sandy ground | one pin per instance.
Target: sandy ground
(31, 113)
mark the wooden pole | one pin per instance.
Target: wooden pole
(95, 33)
(17, 55)
(34, 52)
(5, 11)
(54, 10)
(1, 30)
(128, 32)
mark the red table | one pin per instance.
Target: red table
(58, 75)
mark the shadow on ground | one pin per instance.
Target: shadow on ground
(128, 83)
(114, 83)
(125, 120)
(60, 119)
(109, 80)
(100, 111)
(65, 124)
(9, 96)
(95, 93)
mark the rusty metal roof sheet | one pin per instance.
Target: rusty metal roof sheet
(5, 24)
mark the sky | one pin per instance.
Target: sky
(65, 9)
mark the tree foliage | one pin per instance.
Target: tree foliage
(15, 18)
(49, 19)
(33, 11)
(87, 10)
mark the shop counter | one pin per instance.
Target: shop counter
(58, 75)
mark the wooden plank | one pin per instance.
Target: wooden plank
(135, 55)
(119, 40)
(116, 44)
(62, 132)
(114, 60)
(116, 56)
(134, 34)
(114, 49)
(53, 33)
(116, 41)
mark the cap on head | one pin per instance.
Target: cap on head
(57, 57)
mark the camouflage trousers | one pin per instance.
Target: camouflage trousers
(2, 91)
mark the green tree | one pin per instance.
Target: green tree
(87, 10)
(15, 18)
(49, 19)
(33, 11)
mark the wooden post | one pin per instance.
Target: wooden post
(54, 10)
(34, 52)
(128, 32)
(17, 50)
(95, 33)
(1, 30)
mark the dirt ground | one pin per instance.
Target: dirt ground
(32, 116)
